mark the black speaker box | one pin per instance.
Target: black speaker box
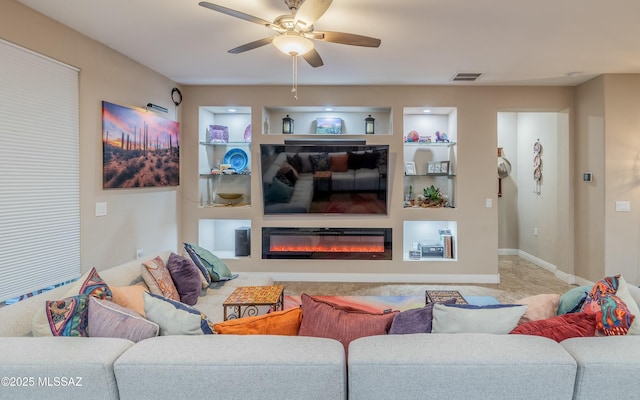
(243, 241)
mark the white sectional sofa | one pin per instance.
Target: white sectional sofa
(416, 366)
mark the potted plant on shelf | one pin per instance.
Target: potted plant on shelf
(433, 197)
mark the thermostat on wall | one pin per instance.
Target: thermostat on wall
(587, 177)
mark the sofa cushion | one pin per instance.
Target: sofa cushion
(467, 318)
(186, 277)
(625, 294)
(325, 319)
(158, 278)
(108, 319)
(217, 269)
(573, 299)
(339, 162)
(540, 306)
(68, 317)
(417, 320)
(175, 318)
(320, 162)
(613, 316)
(560, 327)
(130, 297)
(279, 192)
(285, 323)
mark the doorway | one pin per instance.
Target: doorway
(534, 218)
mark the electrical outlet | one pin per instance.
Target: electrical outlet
(139, 253)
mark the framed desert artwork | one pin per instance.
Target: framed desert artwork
(140, 149)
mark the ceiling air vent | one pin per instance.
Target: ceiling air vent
(466, 77)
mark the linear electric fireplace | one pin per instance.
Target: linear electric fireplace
(327, 243)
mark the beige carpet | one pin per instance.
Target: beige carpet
(518, 278)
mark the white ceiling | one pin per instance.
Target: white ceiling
(511, 42)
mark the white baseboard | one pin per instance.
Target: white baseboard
(508, 252)
(563, 276)
(390, 278)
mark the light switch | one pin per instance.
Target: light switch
(488, 203)
(101, 209)
(623, 206)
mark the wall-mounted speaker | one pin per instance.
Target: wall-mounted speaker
(243, 241)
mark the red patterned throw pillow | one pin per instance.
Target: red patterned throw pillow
(158, 278)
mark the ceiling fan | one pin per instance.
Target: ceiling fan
(296, 31)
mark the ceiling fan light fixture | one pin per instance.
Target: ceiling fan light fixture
(293, 44)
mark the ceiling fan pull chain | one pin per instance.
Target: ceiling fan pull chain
(294, 89)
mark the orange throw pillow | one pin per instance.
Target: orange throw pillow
(286, 323)
(129, 297)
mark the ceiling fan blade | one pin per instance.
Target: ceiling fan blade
(347, 38)
(313, 58)
(250, 46)
(235, 13)
(311, 10)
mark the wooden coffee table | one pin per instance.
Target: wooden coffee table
(245, 300)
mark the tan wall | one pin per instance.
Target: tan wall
(589, 196)
(145, 218)
(476, 168)
(622, 179)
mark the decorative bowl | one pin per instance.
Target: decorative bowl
(230, 196)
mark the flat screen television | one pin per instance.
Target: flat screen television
(324, 178)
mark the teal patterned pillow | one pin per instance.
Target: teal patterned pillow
(69, 316)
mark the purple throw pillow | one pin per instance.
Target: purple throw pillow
(186, 277)
(417, 320)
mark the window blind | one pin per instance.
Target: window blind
(39, 172)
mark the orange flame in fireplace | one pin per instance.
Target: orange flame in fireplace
(333, 248)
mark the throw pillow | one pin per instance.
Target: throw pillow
(370, 160)
(417, 320)
(345, 324)
(108, 319)
(68, 317)
(560, 327)
(157, 277)
(612, 314)
(339, 162)
(573, 299)
(295, 162)
(175, 318)
(196, 260)
(218, 270)
(320, 162)
(355, 160)
(279, 192)
(625, 295)
(467, 318)
(287, 174)
(541, 306)
(130, 297)
(186, 277)
(90, 284)
(286, 323)
(635, 293)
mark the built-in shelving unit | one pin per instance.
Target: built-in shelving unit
(429, 155)
(306, 119)
(225, 137)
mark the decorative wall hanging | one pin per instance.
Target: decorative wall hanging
(537, 167)
(140, 149)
